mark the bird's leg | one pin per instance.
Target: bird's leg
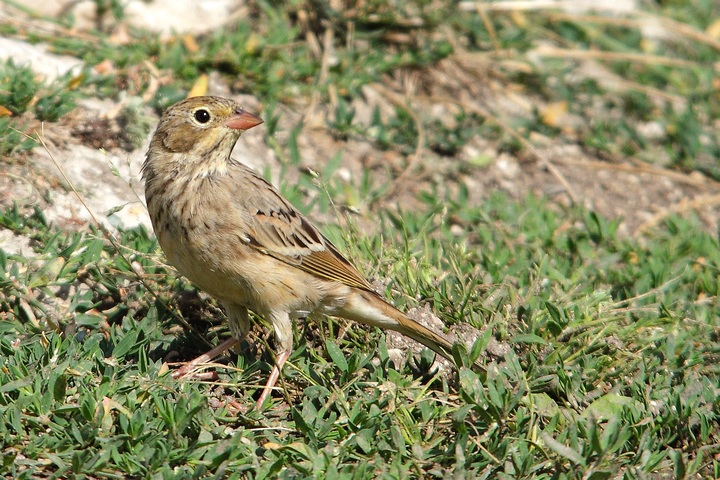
(205, 357)
(284, 339)
(274, 375)
(239, 325)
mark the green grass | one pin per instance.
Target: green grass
(21, 92)
(609, 371)
(601, 349)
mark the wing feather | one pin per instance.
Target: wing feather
(275, 228)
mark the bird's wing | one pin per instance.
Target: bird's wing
(275, 228)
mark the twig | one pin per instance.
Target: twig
(648, 169)
(512, 5)
(415, 157)
(673, 26)
(690, 32)
(683, 206)
(482, 11)
(310, 118)
(557, 52)
(544, 160)
(40, 139)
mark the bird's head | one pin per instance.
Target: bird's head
(201, 127)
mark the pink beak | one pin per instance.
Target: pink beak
(243, 120)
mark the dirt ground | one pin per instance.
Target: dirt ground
(88, 146)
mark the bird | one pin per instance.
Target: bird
(234, 235)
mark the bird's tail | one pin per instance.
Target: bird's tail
(367, 308)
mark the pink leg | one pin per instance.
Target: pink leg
(274, 375)
(205, 357)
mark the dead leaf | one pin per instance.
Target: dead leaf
(75, 81)
(191, 44)
(553, 113)
(252, 44)
(104, 67)
(200, 87)
(714, 29)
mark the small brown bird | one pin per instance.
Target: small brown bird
(234, 235)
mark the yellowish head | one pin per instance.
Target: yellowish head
(200, 126)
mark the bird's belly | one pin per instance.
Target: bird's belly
(234, 272)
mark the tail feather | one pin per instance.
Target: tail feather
(367, 308)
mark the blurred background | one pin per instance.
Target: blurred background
(539, 178)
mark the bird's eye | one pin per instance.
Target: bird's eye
(202, 116)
